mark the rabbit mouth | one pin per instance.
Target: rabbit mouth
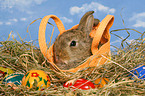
(66, 65)
(60, 62)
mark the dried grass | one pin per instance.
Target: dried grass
(21, 56)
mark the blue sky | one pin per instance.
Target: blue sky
(16, 15)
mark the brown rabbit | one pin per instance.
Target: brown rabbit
(74, 46)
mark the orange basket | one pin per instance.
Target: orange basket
(99, 33)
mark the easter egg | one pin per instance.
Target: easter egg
(101, 82)
(4, 72)
(139, 72)
(15, 78)
(80, 84)
(36, 78)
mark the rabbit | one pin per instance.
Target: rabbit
(74, 46)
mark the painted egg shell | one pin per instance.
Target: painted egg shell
(36, 78)
(101, 82)
(4, 72)
(15, 78)
(139, 72)
(80, 84)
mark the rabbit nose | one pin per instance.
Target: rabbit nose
(59, 61)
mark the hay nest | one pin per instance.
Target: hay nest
(22, 56)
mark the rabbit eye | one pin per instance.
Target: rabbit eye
(73, 43)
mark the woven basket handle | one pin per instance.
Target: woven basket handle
(42, 29)
(102, 34)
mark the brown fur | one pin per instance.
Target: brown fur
(66, 56)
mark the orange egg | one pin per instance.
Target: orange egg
(101, 82)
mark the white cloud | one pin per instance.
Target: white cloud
(8, 23)
(92, 6)
(21, 5)
(15, 3)
(112, 10)
(139, 24)
(138, 16)
(74, 10)
(1, 23)
(14, 20)
(139, 19)
(66, 20)
(11, 21)
(23, 19)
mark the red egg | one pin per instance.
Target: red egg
(80, 84)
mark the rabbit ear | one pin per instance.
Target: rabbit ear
(96, 21)
(86, 22)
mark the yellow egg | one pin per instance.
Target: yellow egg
(4, 72)
(36, 78)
